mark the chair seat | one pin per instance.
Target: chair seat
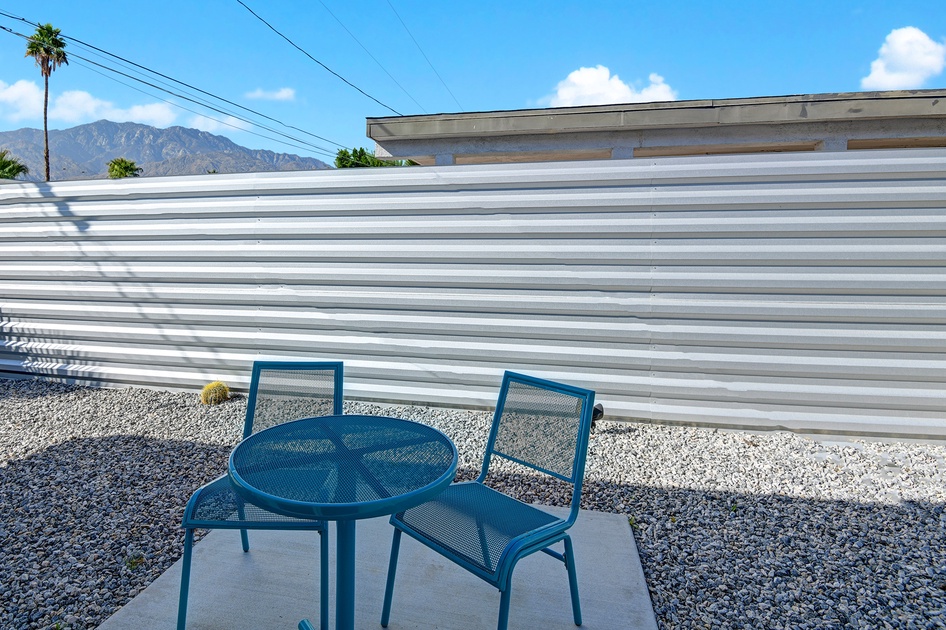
(476, 523)
(217, 506)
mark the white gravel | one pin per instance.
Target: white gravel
(735, 530)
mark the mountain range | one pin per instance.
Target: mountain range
(84, 152)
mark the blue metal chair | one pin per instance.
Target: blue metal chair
(542, 425)
(279, 392)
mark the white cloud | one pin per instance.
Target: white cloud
(227, 123)
(907, 59)
(282, 94)
(76, 106)
(23, 99)
(597, 86)
(155, 114)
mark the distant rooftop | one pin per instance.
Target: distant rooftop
(811, 122)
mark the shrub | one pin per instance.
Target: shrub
(214, 393)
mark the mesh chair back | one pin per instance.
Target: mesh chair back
(543, 425)
(284, 391)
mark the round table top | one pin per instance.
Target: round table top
(343, 467)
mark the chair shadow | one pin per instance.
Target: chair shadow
(91, 513)
(720, 559)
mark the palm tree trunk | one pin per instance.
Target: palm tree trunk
(46, 125)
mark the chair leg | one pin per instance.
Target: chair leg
(185, 579)
(389, 588)
(242, 514)
(504, 608)
(572, 579)
(323, 578)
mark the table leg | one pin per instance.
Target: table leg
(345, 575)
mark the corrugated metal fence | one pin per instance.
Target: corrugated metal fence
(803, 291)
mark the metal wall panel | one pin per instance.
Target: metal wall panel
(799, 291)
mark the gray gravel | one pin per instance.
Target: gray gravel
(734, 530)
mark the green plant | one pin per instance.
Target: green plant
(134, 560)
(121, 167)
(214, 393)
(10, 167)
(46, 47)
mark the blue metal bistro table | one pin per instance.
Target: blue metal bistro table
(343, 468)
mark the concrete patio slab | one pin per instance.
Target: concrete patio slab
(276, 584)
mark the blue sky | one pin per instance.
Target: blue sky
(490, 55)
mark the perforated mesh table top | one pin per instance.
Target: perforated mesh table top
(343, 467)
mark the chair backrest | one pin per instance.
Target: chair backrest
(281, 391)
(543, 425)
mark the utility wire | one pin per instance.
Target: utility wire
(204, 103)
(187, 85)
(296, 46)
(310, 148)
(295, 142)
(219, 98)
(372, 56)
(423, 53)
(192, 100)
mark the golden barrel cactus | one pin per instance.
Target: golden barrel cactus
(214, 393)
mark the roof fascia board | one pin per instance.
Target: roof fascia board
(664, 115)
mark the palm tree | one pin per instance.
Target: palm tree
(120, 167)
(10, 167)
(46, 47)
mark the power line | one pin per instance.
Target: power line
(308, 146)
(187, 85)
(295, 142)
(423, 53)
(311, 147)
(196, 101)
(296, 46)
(372, 56)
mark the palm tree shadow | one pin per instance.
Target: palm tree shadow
(104, 288)
(19, 354)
